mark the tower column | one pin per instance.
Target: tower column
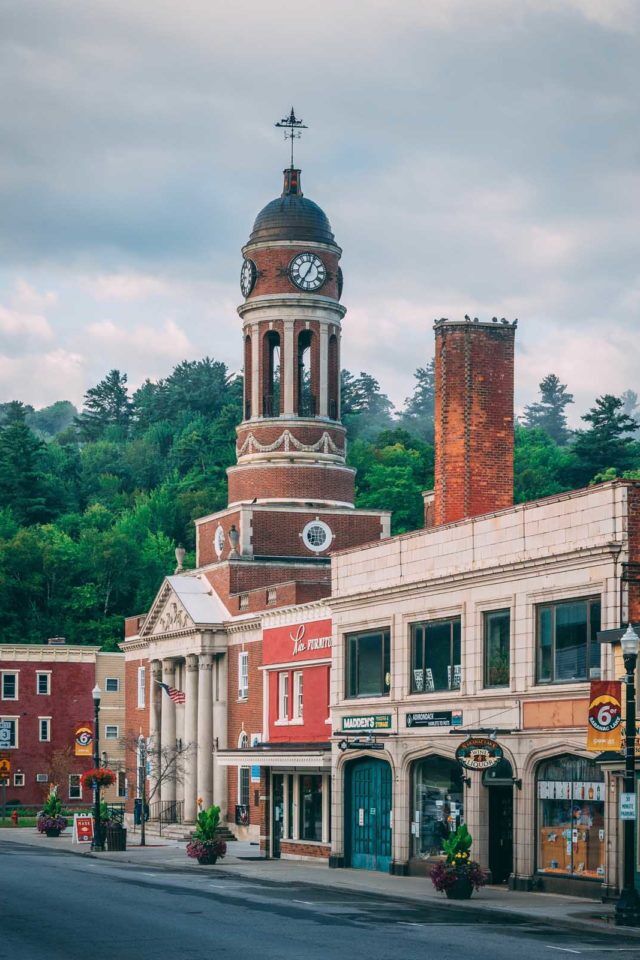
(289, 364)
(324, 370)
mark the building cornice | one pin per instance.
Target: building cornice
(298, 302)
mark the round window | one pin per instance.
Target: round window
(317, 536)
(218, 541)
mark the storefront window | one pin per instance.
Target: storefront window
(311, 807)
(438, 804)
(368, 664)
(571, 832)
(496, 648)
(568, 640)
(435, 656)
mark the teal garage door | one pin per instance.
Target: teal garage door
(369, 796)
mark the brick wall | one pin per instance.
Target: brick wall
(268, 432)
(473, 419)
(318, 482)
(634, 550)
(279, 533)
(295, 848)
(205, 533)
(244, 715)
(272, 264)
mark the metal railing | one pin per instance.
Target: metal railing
(270, 405)
(167, 811)
(307, 405)
(247, 409)
(333, 409)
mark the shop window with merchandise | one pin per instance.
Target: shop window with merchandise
(438, 804)
(571, 818)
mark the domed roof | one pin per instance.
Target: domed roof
(292, 216)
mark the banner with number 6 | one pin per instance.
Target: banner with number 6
(604, 726)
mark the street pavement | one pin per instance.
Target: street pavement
(57, 904)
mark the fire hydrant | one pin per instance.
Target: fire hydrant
(14, 818)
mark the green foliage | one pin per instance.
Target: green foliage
(52, 805)
(458, 845)
(365, 410)
(207, 824)
(419, 409)
(549, 412)
(106, 406)
(607, 443)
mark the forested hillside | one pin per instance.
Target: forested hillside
(93, 503)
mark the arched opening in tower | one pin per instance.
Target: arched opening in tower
(306, 396)
(333, 378)
(271, 380)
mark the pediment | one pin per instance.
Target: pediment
(184, 603)
(167, 614)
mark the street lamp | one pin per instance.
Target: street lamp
(628, 905)
(97, 843)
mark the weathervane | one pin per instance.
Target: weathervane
(292, 129)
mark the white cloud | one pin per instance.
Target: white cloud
(144, 340)
(127, 286)
(56, 375)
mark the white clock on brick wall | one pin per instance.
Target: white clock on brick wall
(218, 541)
(317, 536)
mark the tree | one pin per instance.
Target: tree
(150, 765)
(631, 406)
(541, 467)
(607, 443)
(419, 409)
(106, 405)
(365, 409)
(549, 412)
(51, 420)
(21, 454)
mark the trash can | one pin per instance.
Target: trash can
(116, 838)
(137, 811)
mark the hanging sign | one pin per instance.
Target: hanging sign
(82, 828)
(604, 725)
(83, 741)
(479, 753)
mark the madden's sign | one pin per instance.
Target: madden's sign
(304, 644)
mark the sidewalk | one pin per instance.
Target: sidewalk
(243, 861)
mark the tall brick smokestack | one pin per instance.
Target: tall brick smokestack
(473, 418)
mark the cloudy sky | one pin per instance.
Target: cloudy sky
(474, 156)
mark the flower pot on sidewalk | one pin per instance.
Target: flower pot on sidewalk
(460, 889)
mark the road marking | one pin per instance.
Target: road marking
(550, 946)
(309, 903)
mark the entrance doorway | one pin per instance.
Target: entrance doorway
(368, 814)
(278, 814)
(499, 780)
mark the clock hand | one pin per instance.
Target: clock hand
(307, 271)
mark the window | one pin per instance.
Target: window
(122, 783)
(44, 729)
(75, 787)
(571, 824)
(567, 640)
(317, 536)
(311, 807)
(18, 779)
(243, 676)
(244, 601)
(368, 664)
(8, 733)
(283, 696)
(244, 773)
(438, 804)
(43, 684)
(497, 629)
(142, 681)
(9, 686)
(111, 685)
(435, 656)
(272, 595)
(297, 694)
(111, 731)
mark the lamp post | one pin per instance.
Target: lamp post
(142, 775)
(97, 843)
(628, 905)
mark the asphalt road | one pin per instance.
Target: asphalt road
(63, 907)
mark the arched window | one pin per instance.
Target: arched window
(271, 379)
(571, 817)
(438, 804)
(244, 776)
(306, 397)
(333, 377)
(248, 360)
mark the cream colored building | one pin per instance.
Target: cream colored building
(110, 678)
(525, 590)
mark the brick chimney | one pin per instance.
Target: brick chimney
(473, 418)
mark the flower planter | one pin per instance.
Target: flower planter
(208, 860)
(53, 832)
(461, 889)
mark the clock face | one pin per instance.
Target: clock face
(247, 277)
(307, 271)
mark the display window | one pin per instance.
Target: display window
(437, 804)
(571, 818)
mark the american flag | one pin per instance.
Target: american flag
(176, 695)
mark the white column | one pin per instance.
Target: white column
(255, 370)
(155, 713)
(324, 370)
(190, 737)
(286, 826)
(205, 733)
(220, 734)
(326, 807)
(295, 831)
(168, 732)
(289, 366)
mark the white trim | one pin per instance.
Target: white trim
(111, 726)
(16, 675)
(47, 721)
(16, 731)
(297, 701)
(283, 697)
(243, 675)
(317, 548)
(47, 674)
(79, 785)
(22, 779)
(111, 679)
(142, 687)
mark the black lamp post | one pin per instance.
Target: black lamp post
(628, 905)
(97, 843)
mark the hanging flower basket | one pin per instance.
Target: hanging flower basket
(98, 776)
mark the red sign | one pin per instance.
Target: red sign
(604, 724)
(298, 642)
(82, 828)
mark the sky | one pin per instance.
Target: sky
(475, 157)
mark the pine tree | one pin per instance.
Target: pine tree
(21, 480)
(365, 409)
(549, 412)
(608, 442)
(106, 405)
(419, 409)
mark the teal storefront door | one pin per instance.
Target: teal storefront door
(369, 795)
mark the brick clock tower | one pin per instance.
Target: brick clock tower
(291, 494)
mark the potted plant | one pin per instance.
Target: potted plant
(458, 875)
(205, 846)
(50, 820)
(98, 776)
